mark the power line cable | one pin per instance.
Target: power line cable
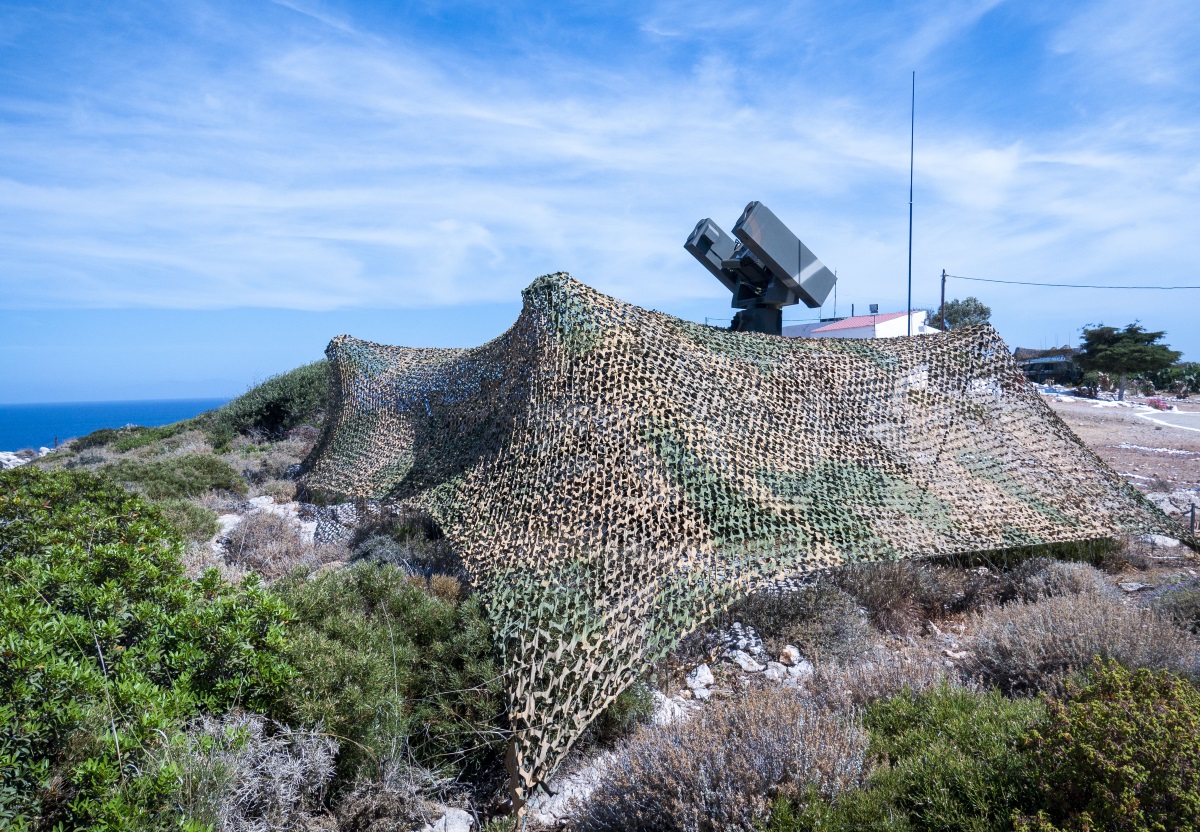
(1063, 285)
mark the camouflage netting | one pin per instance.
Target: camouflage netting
(613, 477)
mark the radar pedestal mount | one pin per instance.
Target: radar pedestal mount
(766, 268)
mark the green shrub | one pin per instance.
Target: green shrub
(193, 521)
(105, 648)
(634, 706)
(177, 477)
(945, 759)
(278, 404)
(385, 664)
(96, 439)
(1120, 753)
(129, 439)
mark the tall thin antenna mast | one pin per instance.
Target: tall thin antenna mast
(912, 139)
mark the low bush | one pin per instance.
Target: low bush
(719, 769)
(1181, 603)
(400, 795)
(411, 541)
(194, 522)
(107, 648)
(384, 664)
(281, 491)
(822, 620)
(282, 402)
(1025, 648)
(847, 686)
(1045, 578)
(944, 759)
(177, 477)
(243, 773)
(633, 707)
(133, 437)
(96, 439)
(1119, 753)
(898, 595)
(271, 546)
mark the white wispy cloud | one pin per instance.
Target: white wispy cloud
(334, 168)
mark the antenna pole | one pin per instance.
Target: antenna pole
(942, 311)
(912, 138)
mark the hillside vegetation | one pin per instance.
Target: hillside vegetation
(186, 645)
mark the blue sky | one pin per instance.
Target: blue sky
(196, 195)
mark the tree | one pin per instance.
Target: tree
(966, 312)
(1106, 349)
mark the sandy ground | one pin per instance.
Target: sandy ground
(1152, 449)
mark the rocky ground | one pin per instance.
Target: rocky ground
(1157, 451)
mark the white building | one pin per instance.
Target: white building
(885, 325)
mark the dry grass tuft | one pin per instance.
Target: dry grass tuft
(244, 773)
(1024, 648)
(1044, 578)
(401, 797)
(281, 491)
(721, 769)
(852, 685)
(271, 546)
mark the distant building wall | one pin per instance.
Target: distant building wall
(883, 325)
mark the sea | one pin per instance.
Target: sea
(42, 425)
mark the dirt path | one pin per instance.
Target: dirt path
(1157, 451)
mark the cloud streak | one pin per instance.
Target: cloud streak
(331, 168)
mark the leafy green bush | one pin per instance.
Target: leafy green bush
(945, 759)
(273, 407)
(139, 437)
(385, 664)
(96, 439)
(177, 477)
(1120, 753)
(105, 648)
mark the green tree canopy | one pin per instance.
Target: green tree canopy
(1106, 349)
(969, 311)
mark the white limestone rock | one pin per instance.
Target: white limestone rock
(775, 672)
(455, 820)
(802, 669)
(743, 660)
(701, 677)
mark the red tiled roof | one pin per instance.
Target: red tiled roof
(860, 320)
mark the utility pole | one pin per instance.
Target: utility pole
(942, 310)
(912, 137)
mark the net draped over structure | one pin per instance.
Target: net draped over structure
(613, 476)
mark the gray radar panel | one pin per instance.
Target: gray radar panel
(773, 242)
(766, 268)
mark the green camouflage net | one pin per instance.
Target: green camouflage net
(612, 476)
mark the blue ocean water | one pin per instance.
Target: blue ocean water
(37, 425)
